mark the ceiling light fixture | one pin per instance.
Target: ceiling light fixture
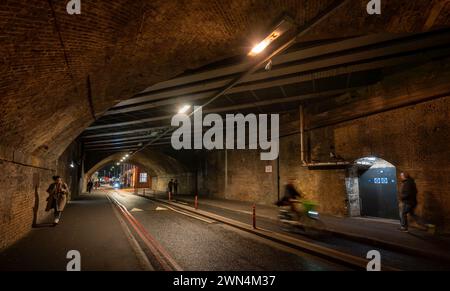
(282, 28)
(184, 109)
(260, 47)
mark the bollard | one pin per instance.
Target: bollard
(144, 192)
(254, 216)
(196, 202)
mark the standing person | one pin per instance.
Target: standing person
(90, 184)
(57, 199)
(175, 187)
(170, 186)
(408, 199)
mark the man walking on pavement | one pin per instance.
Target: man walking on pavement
(408, 198)
(58, 192)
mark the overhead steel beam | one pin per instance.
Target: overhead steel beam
(110, 146)
(265, 57)
(116, 143)
(181, 86)
(117, 140)
(139, 137)
(113, 148)
(123, 132)
(352, 57)
(145, 120)
(229, 108)
(269, 79)
(339, 71)
(396, 61)
(303, 53)
(179, 100)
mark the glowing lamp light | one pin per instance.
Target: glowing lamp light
(285, 25)
(184, 109)
(260, 47)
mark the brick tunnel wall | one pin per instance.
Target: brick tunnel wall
(413, 137)
(245, 179)
(23, 186)
(59, 71)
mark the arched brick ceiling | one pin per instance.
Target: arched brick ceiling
(123, 47)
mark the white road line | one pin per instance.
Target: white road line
(209, 221)
(206, 220)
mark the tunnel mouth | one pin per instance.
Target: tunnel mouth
(121, 176)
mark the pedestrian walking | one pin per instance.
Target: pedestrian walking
(58, 192)
(408, 202)
(90, 185)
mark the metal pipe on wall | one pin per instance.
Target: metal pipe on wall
(226, 173)
(302, 136)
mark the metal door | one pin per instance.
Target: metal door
(378, 193)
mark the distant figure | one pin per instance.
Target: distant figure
(175, 187)
(57, 199)
(90, 185)
(408, 199)
(170, 186)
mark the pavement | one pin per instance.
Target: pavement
(87, 225)
(376, 232)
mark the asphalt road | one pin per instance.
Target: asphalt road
(197, 244)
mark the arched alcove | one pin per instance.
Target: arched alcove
(372, 188)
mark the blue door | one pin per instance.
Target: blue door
(378, 193)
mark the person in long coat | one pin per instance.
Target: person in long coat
(58, 192)
(408, 205)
